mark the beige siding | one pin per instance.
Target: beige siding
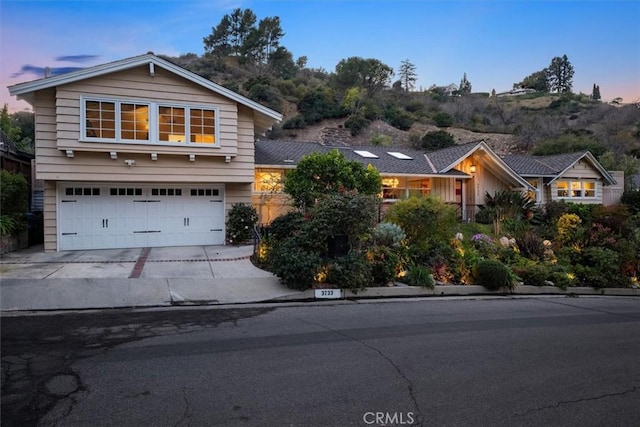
(92, 162)
(612, 194)
(270, 206)
(50, 218)
(444, 188)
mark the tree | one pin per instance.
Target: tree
(436, 140)
(560, 75)
(13, 132)
(537, 81)
(319, 174)
(465, 85)
(595, 94)
(407, 74)
(229, 36)
(368, 74)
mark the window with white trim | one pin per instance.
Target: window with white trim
(147, 122)
(576, 189)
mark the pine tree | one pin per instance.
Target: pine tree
(465, 85)
(595, 95)
(560, 74)
(408, 75)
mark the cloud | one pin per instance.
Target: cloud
(39, 71)
(77, 58)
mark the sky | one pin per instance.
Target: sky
(496, 42)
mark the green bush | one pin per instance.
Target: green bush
(350, 272)
(384, 140)
(493, 275)
(424, 219)
(384, 263)
(485, 215)
(531, 246)
(296, 267)
(442, 119)
(533, 274)
(631, 198)
(419, 275)
(356, 124)
(296, 122)
(8, 225)
(14, 202)
(285, 226)
(241, 220)
(437, 140)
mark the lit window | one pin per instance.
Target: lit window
(134, 122)
(390, 188)
(563, 189)
(171, 124)
(109, 120)
(268, 181)
(576, 189)
(589, 189)
(202, 126)
(100, 119)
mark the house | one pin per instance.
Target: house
(140, 153)
(448, 90)
(574, 177)
(460, 175)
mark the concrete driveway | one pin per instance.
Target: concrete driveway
(162, 263)
(34, 280)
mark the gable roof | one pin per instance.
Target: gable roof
(444, 160)
(554, 166)
(25, 90)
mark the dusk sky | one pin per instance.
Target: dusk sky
(497, 43)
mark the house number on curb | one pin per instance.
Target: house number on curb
(328, 293)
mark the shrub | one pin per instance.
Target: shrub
(384, 140)
(493, 275)
(296, 267)
(419, 275)
(599, 268)
(388, 234)
(531, 246)
(533, 274)
(14, 201)
(442, 119)
(349, 272)
(631, 198)
(8, 225)
(568, 225)
(485, 215)
(285, 226)
(296, 122)
(240, 223)
(436, 140)
(356, 124)
(384, 263)
(424, 219)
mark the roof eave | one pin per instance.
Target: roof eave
(24, 89)
(606, 176)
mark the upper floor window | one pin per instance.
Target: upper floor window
(112, 120)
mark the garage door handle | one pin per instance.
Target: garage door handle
(185, 222)
(216, 229)
(105, 223)
(69, 234)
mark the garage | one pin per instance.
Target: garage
(105, 216)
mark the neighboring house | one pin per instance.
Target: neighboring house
(449, 90)
(141, 152)
(574, 177)
(460, 175)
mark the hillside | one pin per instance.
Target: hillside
(333, 131)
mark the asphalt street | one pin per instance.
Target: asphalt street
(458, 361)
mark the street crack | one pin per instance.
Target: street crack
(584, 399)
(410, 387)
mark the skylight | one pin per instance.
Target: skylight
(399, 155)
(365, 154)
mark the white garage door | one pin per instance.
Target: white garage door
(130, 216)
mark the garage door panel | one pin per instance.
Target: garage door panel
(120, 216)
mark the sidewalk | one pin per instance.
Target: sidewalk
(32, 280)
(141, 277)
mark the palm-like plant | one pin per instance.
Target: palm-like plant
(508, 204)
